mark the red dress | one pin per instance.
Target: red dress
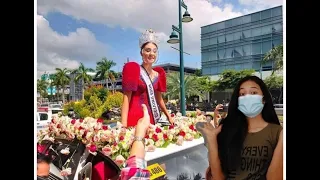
(132, 81)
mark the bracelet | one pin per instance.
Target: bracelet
(137, 138)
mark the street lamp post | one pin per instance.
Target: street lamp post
(173, 40)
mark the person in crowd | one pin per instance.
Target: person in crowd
(43, 166)
(143, 84)
(248, 143)
(136, 165)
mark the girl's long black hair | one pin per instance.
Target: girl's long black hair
(235, 126)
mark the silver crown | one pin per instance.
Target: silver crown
(148, 36)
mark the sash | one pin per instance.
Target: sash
(151, 94)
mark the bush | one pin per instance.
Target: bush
(95, 103)
(114, 101)
(99, 91)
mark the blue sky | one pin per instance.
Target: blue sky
(74, 31)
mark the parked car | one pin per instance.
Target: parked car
(43, 119)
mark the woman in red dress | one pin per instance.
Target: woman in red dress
(135, 88)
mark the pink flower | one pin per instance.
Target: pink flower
(92, 148)
(119, 160)
(179, 140)
(107, 151)
(96, 138)
(123, 132)
(41, 148)
(65, 172)
(150, 148)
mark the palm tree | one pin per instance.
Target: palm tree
(113, 75)
(103, 70)
(276, 56)
(42, 86)
(82, 74)
(190, 83)
(62, 79)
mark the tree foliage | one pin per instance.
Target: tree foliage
(228, 79)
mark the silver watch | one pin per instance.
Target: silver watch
(137, 138)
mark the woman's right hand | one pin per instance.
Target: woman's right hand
(143, 123)
(210, 131)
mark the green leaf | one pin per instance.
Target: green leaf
(166, 144)
(197, 136)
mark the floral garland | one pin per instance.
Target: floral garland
(116, 142)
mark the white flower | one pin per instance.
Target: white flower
(150, 141)
(65, 151)
(159, 143)
(66, 172)
(46, 137)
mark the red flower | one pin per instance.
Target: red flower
(171, 126)
(158, 130)
(121, 138)
(165, 137)
(147, 136)
(84, 134)
(155, 137)
(58, 126)
(172, 115)
(81, 120)
(73, 121)
(115, 143)
(182, 133)
(92, 148)
(99, 120)
(192, 127)
(104, 127)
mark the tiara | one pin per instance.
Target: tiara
(148, 36)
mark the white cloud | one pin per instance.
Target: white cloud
(159, 15)
(60, 51)
(258, 5)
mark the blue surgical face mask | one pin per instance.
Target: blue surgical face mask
(250, 105)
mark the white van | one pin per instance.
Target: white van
(43, 119)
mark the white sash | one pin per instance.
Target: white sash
(151, 95)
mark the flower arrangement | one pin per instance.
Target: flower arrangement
(116, 142)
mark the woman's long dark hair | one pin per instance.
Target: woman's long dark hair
(235, 126)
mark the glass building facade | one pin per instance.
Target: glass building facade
(240, 43)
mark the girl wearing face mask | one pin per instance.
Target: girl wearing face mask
(248, 144)
(143, 84)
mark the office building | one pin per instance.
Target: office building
(240, 43)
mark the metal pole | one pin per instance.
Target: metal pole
(182, 89)
(260, 70)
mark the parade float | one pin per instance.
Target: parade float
(77, 145)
